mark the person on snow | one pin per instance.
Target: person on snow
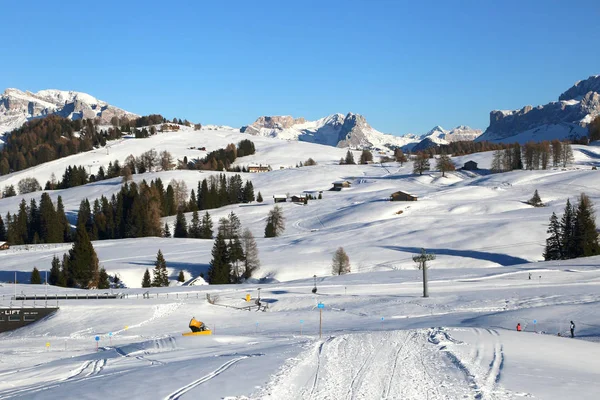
(519, 327)
(572, 329)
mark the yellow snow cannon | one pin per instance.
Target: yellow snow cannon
(198, 328)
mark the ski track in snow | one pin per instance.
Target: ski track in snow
(393, 365)
(183, 390)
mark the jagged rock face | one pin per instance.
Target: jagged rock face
(351, 130)
(278, 122)
(17, 107)
(581, 88)
(567, 117)
(354, 132)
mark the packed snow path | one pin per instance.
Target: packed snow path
(419, 364)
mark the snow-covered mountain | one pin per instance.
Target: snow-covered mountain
(17, 107)
(438, 136)
(566, 118)
(351, 130)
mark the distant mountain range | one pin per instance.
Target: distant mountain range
(351, 130)
(17, 107)
(566, 118)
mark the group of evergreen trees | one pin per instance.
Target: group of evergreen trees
(349, 159)
(46, 139)
(35, 223)
(234, 253)
(575, 234)
(197, 229)
(221, 159)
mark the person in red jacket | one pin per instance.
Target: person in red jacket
(519, 327)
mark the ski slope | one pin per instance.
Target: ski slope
(380, 339)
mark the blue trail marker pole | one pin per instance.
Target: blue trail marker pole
(301, 322)
(97, 338)
(321, 306)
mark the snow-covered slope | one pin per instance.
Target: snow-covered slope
(566, 118)
(17, 107)
(377, 337)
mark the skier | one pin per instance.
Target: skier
(572, 329)
(519, 327)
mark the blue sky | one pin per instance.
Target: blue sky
(405, 66)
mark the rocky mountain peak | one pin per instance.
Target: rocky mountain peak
(17, 107)
(581, 88)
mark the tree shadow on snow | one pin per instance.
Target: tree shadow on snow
(194, 269)
(502, 259)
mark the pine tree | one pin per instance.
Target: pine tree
(259, 198)
(248, 192)
(270, 230)
(586, 236)
(66, 278)
(554, 247)
(103, 282)
(206, 229)
(180, 225)
(161, 277)
(63, 223)
(194, 230)
(2, 230)
(181, 277)
(340, 264)
(567, 233)
(251, 263)
(275, 222)
(167, 232)
(220, 265)
(83, 261)
(146, 283)
(54, 277)
(36, 279)
(536, 201)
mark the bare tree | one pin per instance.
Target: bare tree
(130, 161)
(28, 185)
(400, 156)
(251, 263)
(340, 264)
(421, 164)
(126, 173)
(180, 192)
(497, 160)
(556, 152)
(567, 154)
(445, 164)
(150, 159)
(166, 161)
